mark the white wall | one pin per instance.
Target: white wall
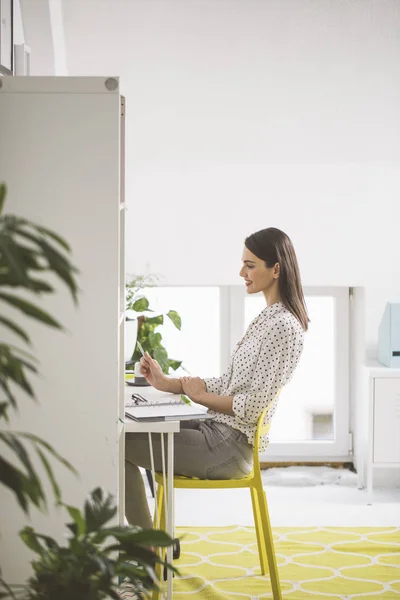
(244, 114)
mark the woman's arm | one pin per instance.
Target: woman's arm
(172, 385)
(195, 388)
(152, 371)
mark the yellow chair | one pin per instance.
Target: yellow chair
(253, 481)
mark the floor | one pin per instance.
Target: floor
(297, 497)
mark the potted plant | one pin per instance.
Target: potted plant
(147, 325)
(28, 252)
(94, 558)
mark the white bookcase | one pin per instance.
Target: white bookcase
(62, 157)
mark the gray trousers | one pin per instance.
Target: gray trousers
(203, 449)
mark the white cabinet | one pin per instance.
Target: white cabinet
(387, 420)
(383, 424)
(61, 155)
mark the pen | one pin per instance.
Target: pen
(141, 349)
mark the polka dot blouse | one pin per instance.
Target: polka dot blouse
(262, 362)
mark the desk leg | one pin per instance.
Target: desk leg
(170, 516)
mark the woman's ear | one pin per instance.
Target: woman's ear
(277, 270)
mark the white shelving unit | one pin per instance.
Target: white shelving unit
(62, 157)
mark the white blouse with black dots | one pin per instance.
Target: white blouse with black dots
(262, 363)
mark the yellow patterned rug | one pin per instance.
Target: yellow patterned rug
(315, 563)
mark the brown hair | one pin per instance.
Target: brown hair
(274, 246)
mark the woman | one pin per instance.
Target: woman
(262, 363)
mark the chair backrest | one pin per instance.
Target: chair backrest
(262, 429)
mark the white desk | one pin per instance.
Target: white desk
(170, 428)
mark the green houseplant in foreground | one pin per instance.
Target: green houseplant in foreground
(94, 558)
(86, 568)
(28, 253)
(149, 338)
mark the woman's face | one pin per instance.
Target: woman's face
(257, 276)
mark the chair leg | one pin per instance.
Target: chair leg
(269, 543)
(259, 532)
(159, 505)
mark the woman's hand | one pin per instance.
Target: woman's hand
(193, 387)
(150, 369)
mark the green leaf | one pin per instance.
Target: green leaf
(38, 286)
(174, 364)
(50, 449)
(50, 475)
(11, 368)
(57, 262)
(133, 573)
(3, 194)
(29, 259)
(10, 397)
(78, 519)
(159, 320)
(154, 339)
(14, 480)
(73, 528)
(11, 347)
(175, 318)
(140, 554)
(98, 510)
(57, 238)
(12, 255)
(30, 309)
(3, 410)
(12, 441)
(28, 536)
(118, 530)
(160, 355)
(149, 537)
(15, 328)
(50, 543)
(141, 305)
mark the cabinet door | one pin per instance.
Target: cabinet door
(387, 420)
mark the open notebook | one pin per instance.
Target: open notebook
(148, 406)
